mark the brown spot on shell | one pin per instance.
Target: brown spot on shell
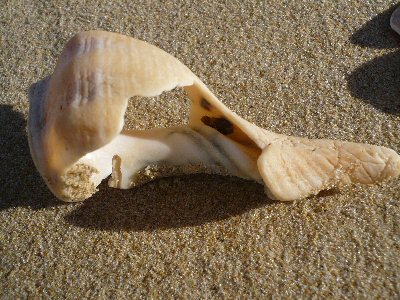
(205, 104)
(222, 125)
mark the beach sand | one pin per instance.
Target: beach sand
(318, 69)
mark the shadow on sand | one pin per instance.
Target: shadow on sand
(169, 203)
(377, 82)
(20, 183)
(377, 33)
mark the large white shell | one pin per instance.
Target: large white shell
(76, 136)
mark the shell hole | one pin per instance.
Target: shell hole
(171, 108)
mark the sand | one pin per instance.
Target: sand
(309, 68)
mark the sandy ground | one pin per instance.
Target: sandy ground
(309, 68)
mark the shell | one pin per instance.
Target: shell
(77, 139)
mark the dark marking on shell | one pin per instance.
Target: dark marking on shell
(205, 104)
(222, 125)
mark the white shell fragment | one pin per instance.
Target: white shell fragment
(77, 139)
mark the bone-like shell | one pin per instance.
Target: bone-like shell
(77, 139)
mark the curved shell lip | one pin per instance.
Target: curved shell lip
(37, 93)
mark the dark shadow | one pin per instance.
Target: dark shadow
(169, 203)
(20, 183)
(377, 33)
(378, 83)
